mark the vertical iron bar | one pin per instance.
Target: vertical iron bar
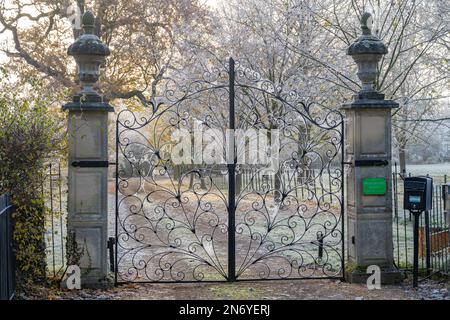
(260, 177)
(446, 227)
(440, 224)
(321, 183)
(10, 255)
(231, 179)
(295, 177)
(427, 242)
(405, 232)
(397, 246)
(52, 217)
(434, 222)
(61, 214)
(439, 213)
(116, 202)
(301, 184)
(330, 186)
(446, 245)
(4, 248)
(416, 250)
(443, 227)
(342, 198)
(409, 175)
(421, 241)
(287, 173)
(314, 182)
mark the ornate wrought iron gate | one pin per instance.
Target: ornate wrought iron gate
(235, 221)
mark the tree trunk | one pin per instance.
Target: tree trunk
(191, 180)
(238, 183)
(176, 172)
(277, 186)
(402, 158)
(203, 182)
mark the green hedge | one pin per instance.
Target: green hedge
(29, 135)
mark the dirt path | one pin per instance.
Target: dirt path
(262, 290)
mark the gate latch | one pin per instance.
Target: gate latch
(111, 243)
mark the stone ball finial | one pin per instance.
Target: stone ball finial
(366, 23)
(88, 21)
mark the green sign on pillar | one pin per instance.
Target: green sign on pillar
(374, 186)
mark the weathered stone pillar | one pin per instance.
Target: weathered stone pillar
(88, 162)
(368, 151)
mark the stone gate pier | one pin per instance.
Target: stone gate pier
(369, 171)
(88, 162)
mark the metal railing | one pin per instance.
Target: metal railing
(54, 189)
(434, 245)
(7, 265)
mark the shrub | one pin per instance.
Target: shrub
(29, 135)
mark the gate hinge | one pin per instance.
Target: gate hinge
(371, 163)
(367, 163)
(91, 164)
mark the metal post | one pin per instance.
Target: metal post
(116, 204)
(61, 215)
(231, 180)
(52, 217)
(416, 249)
(427, 242)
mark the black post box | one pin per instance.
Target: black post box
(418, 195)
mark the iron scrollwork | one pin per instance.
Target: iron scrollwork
(172, 220)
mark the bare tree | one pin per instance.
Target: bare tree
(416, 69)
(146, 37)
